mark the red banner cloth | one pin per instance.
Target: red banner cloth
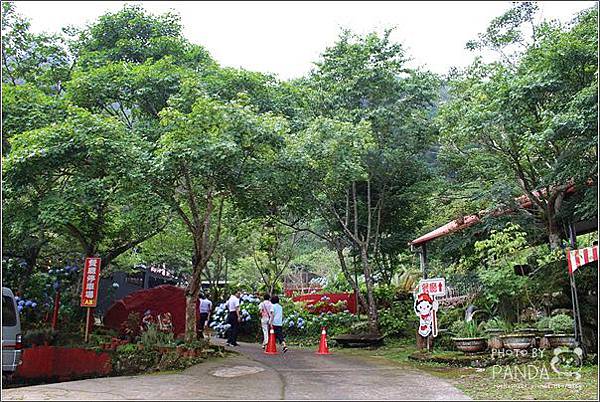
(64, 363)
(159, 300)
(582, 256)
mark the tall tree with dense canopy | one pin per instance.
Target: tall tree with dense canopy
(206, 156)
(533, 115)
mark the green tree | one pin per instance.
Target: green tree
(205, 157)
(530, 122)
(39, 59)
(85, 177)
(364, 80)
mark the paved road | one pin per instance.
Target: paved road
(299, 374)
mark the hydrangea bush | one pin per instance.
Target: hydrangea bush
(250, 318)
(299, 324)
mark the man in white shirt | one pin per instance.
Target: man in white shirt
(234, 318)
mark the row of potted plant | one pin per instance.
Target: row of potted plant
(496, 333)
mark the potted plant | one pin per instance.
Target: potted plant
(494, 328)
(468, 337)
(562, 326)
(525, 328)
(522, 337)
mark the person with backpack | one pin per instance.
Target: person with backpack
(264, 309)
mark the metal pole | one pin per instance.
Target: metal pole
(574, 299)
(423, 259)
(56, 307)
(356, 292)
(87, 324)
(146, 277)
(579, 335)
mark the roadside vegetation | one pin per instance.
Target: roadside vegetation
(124, 139)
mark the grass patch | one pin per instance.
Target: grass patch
(534, 380)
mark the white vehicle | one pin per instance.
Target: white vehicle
(11, 333)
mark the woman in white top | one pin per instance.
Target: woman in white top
(264, 309)
(205, 307)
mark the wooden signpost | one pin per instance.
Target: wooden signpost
(89, 289)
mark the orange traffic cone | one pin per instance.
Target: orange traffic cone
(323, 349)
(271, 348)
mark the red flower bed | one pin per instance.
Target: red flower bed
(63, 363)
(325, 302)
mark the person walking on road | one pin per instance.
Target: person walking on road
(204, 307)
(264, 309)
(277, 321)
(234, 318)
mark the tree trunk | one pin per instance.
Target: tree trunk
(192, 292)
(554, 234)
(361, 298)
(372, 307)
(190, 317)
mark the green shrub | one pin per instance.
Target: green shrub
(40, 337)
(543, 323)
(303, 327)
(385, 295)
(446, 316)
(152, 337)
(561, 324)
(522, 327)
(498, 323)
(466, 329)
(129, 361)
(128, 348)
(398, 319)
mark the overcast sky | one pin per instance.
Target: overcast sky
(285, 38)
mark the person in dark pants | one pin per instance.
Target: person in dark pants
(205, 307)
(277, 321)
(234, 318)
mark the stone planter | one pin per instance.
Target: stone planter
(518, 341)
(558, 340)
(527, 330)
(540, 339)
(494, 340)
(470, 345)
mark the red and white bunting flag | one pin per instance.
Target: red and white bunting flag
(582, 256)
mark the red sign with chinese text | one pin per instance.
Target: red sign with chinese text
(434, 287)
(91, 277)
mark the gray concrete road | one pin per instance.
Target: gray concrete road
(299, 374)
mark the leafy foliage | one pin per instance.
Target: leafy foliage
(561, 324)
